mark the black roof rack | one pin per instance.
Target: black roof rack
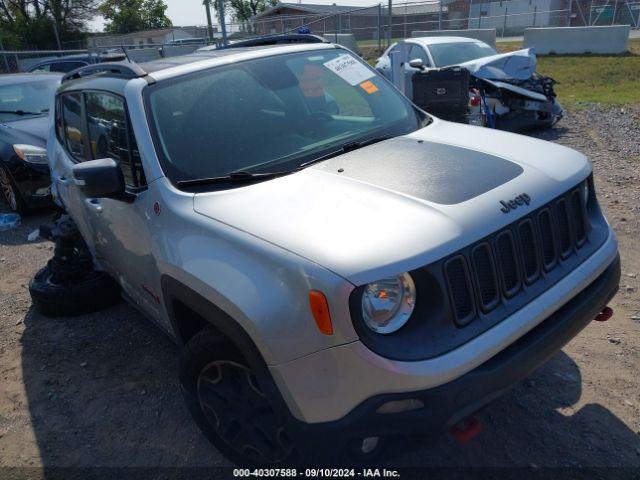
(276, 39)
(123, 70)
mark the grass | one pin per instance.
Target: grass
(605, 79)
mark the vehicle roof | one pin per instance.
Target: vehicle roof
(436, 40)
(15, 78)
(163, 69)
(203, 55)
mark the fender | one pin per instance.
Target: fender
(174, 291)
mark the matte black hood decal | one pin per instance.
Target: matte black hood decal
(431, 171)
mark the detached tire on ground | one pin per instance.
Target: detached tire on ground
(96, 291)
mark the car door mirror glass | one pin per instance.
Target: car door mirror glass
(99, 178)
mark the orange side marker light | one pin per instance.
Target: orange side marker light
(320, 311)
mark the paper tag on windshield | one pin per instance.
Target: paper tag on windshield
(349, 69)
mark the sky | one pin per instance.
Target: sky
(191, 12)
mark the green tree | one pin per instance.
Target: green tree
(41, 23)
(126, 16)
(243, 10)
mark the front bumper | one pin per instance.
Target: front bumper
(33, 182)
(331, 385)
(447, 404)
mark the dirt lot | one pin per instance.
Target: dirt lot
(101, 390)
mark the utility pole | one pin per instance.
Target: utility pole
(207, 6)
(223, 27)
(389, 32)
(440, 15)
(380, 27)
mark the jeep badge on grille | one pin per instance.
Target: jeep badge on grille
(509, 205)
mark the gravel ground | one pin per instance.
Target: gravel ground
(101, 389)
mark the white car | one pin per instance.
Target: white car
(435, 52)
(505, 90)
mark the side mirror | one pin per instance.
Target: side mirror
(416, 63)
(99, 178)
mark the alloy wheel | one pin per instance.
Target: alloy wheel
(7, 189)
(238, 411)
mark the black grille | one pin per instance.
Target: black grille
(460, 289)
(548, 239)
(499, 267)
(579, 217)
(485, 277)
(508, 261)
(564, 228)
(529, 250)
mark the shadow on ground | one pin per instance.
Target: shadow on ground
(102, 392)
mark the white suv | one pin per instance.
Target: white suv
(337, 265)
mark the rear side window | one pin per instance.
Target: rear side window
(111, 137)
(74, 137)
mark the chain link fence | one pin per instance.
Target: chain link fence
(508, 17)
(373, 26)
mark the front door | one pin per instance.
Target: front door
(118, 229)
(70, 148)
(413, 52)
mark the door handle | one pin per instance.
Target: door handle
(63, 181)
(94, 204)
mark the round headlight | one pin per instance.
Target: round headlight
(387, 304)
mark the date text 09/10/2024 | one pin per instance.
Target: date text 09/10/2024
(316, 472)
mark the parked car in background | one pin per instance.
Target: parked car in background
(25, 99)
(71, 62)
(187, 41)
(504, 90)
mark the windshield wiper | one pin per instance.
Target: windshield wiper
(241, 176)
(24, 112)
(347, 147)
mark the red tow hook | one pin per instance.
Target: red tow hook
(604, 315)
(466, 430)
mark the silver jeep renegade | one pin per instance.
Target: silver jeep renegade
(337, 265)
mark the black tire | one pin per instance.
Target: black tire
(10, 192)
(95, 292)
(227, 402)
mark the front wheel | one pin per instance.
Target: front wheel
(10, 192)
(227, 402)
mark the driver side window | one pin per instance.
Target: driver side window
(95, 125)
(110, 136)
(416, 51)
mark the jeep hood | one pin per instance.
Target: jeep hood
(403, 203)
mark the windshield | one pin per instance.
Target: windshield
(446, 54)
(272, 114)
(29, 98)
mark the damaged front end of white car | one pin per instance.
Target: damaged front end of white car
(513, 96)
